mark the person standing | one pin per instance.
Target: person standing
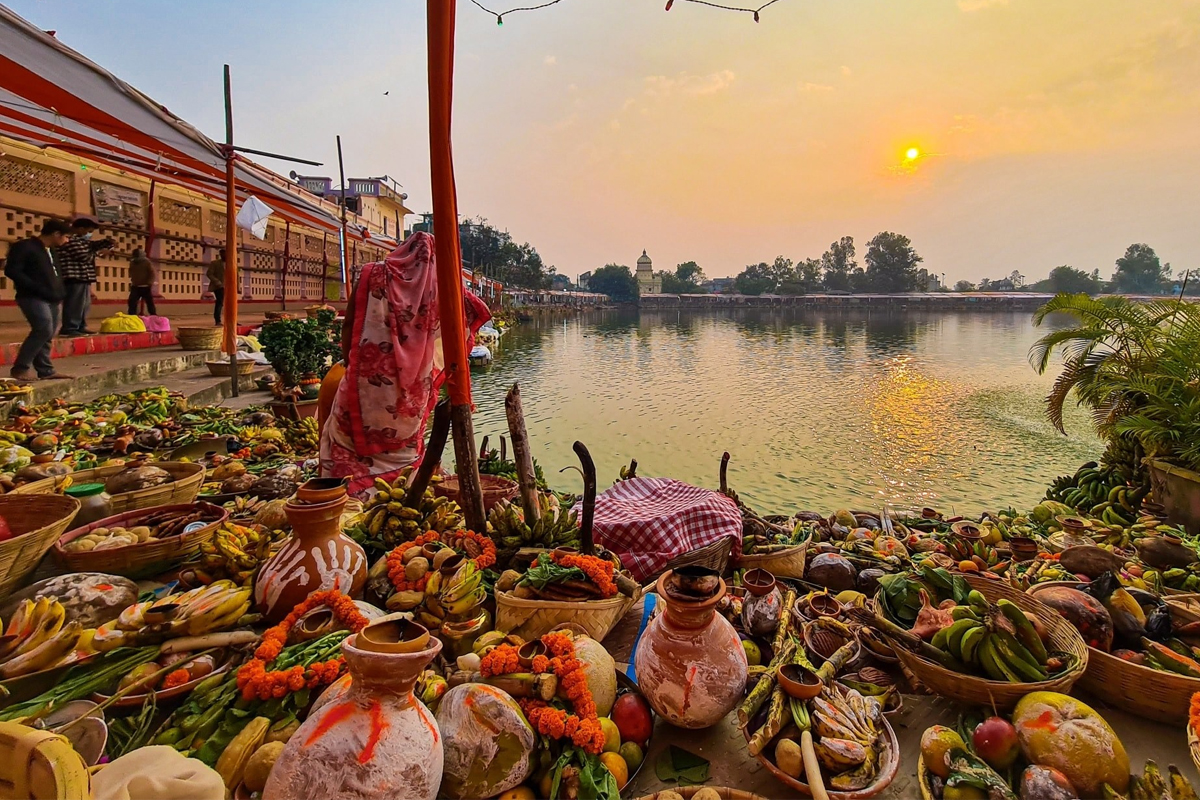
(76, 261)
(216, 284)
(141, 282)
(39, 289)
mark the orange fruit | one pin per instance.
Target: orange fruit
(936, 743)
(617, 766)
(968, 566)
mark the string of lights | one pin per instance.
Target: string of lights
(500, 15)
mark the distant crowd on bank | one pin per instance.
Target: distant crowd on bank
(52, 274)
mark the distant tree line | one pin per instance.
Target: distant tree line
(890, 266)
(1139, 271)
(494, 253)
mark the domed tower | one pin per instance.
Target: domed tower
(647, 283)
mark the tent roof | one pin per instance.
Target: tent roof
(52, 96)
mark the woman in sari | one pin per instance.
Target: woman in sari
(394, 366)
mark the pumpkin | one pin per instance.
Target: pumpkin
(487, 741)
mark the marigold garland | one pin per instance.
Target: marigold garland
(253, 678)
(598, 570)
(395, 559)
(1194, 713)
(582, 727)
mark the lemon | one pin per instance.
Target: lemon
(632, 753)
(617, 766)
(612, 736)
(753, 652)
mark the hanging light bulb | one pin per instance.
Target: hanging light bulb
(756, 16)
(499, 19)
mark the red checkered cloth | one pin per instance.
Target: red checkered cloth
(649, 521)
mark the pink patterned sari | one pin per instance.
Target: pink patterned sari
(377, 424)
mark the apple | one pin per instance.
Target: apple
(632, 715)
(996, 742)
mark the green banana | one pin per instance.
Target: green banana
(955, 637)
(978, 601)
(1017, 658)
(988, 660)
(1026, 634)
(970, 644)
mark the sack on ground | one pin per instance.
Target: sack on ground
(156, 324)
(122, 323)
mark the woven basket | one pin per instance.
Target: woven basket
(1142, 691)
(714, 556)
(787, 563)
(200, 338)
(530, 619)
(36, 520)
(220, 369)
(143, 559)
(724, 792)
(974, 690)
(888, 767)
(52, 485)
(1194, 747)
(495, 489)
(185, 487)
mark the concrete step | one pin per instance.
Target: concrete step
(96, 375)
(201, 388)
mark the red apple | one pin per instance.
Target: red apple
(631, 713)
(996, 742)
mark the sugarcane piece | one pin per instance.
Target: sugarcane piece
(762, 690)
(773, 725)
(519, 684)
(438, 431)
(588, 468)
(840, 658)
(907, 639)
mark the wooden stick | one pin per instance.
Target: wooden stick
(526, 476)
(433, 454)
(470, 488)
(586, 545)
(724, 470)
(503, 449)
(632, 469)
(518, 684)
(483, 449)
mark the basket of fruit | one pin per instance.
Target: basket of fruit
(1153, 678)
(29, 524)
(979, 641)
(785, 562)
(145, 484)
(140, 543)
(702, 793)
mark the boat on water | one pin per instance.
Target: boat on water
(480, 356)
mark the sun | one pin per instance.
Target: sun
(912, 154)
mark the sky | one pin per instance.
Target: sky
(1048, 131)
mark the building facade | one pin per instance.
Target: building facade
(376, 201)
(647, 282)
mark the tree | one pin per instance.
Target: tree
(838, 264)
(494, 253)
(891, 263)
(616, 281)
(985, 284)
(1069, 280)
(686, 279)
(1018, 280)
(964, 286)
(690, 272)
(1140, 272)
(808, 275)
(755, 279)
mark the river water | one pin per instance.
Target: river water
(819, 409)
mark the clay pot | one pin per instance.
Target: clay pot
(393, 634)
(316, 557)
(368, 732)
(758, 582)
(321, 490)
(1023, 548)
(690, 663)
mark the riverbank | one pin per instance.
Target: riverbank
(939, 301)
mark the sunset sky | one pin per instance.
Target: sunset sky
(1048, 131)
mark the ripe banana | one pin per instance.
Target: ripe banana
(45, 654)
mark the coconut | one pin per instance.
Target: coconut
(272, 516)
(137, 477)
(601, 673)
(487, 741)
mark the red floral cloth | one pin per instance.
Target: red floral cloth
(377, 423)
(649, 521)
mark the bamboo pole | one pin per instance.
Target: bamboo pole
(439, 15)
(522, 456)
(231, 298)
(345, 243)
(433, 455)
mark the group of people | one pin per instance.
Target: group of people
(52, 275)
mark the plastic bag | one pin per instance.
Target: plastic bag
(156, 324)
(122, 323)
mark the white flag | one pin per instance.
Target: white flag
(253, 217)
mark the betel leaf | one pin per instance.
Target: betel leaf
(593, 780)
(969, 770)
(545, 571)
(681, 766)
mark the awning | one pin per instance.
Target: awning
(51, 96)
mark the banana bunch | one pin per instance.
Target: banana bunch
(1008, 650)
(196, 612)
(558, 527)
(245, 506)
(1103, 492)
(235, 552)
(36, 638)
(8, 437)
(455, 599)
(847, 727)
(387, 519)
(302, 437)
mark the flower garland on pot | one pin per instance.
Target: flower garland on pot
(255, 680)
(583, 726)
(396, 565)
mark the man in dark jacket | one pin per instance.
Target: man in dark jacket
(30, 267)
(76, 262)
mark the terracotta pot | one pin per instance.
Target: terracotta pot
(1023, 548)
(365, 733)
(321, 490)
(690, 663)
(316, 557)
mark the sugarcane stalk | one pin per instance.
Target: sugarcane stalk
(773, 725)
(908, 639)
(840, 658)
(518, 684)
(762, 690)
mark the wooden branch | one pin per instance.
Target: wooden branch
(438, 432)
(526, 475)
(470, 490)
(724, 471)
(483, 448)
(586, 545)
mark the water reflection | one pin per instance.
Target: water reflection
(818, 409)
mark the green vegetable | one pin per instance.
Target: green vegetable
(969, 770)
(545, 571)
(81, 681)
(595, 781)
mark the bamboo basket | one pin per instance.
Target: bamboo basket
(143, 559)
(974, 690)
(1194, 747)
(531, 619)
(787, 563)
(1142, 691)
(220, 368)
(724, 792)
(40, 764)
(185, 487)
(889, 765)
(36, 520)
(55, 484)
(714, 556)
(200, 338)
(495, 488)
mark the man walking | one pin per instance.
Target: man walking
(30, 267)
(76, 261)
(216, 284)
